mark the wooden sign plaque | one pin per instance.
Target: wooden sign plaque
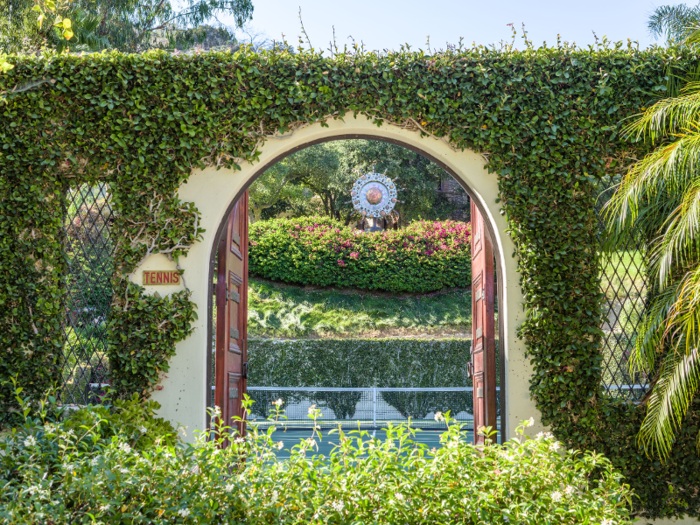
(156, 278)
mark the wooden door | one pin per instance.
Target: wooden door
(483, 359)
(232, 316)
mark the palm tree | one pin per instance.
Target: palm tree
(675, 22)
(658, 201)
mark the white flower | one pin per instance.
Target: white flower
(607, 522)
(68, 466)
(280, 445)
(310, 441)
(312, 408)
(124, 447)
(93, 462)
(143, 429)
(105, 508)
(30, 441)
(530, 422)
(124, 471)
(439, 417)
(556, 496)
(399, 496)
(216, 412)
(184, 512)
(278, 403)
(338, 506)
(229, 487)
(569, 490)
(33, 489)
(555, 446)
(239, 440)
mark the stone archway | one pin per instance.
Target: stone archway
(184, 392)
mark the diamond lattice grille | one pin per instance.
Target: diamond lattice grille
(89, 250)
(624, 283)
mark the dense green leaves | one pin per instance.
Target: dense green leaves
(424, 257)
(546, 119)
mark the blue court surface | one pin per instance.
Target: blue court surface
(291, 437)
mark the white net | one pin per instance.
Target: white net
(363, 407)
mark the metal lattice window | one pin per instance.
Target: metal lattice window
(624, 282)
(89, 250)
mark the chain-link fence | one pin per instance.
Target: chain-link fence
(89, 250)
(624, 282)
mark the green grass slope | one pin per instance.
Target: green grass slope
(277, 310)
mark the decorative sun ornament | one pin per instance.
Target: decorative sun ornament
(374, 195)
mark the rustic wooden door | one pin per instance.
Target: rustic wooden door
(483, 359)
(232, 316)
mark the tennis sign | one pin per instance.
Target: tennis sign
(169, 277)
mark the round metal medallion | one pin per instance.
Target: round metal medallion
(374, 195)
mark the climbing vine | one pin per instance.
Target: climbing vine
(545, 119)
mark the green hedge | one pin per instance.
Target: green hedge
(358, 363)
(424, 257)
(544, 119)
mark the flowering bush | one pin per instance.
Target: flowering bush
(363, 480)
(424, 257)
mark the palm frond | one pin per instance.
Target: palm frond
(679, 373)
(658, 180)
(652, 332)
(673, 22)
(669, 401)
(668, 116)
(677, 246)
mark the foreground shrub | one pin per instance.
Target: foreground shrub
(364, 480)
(424, 257)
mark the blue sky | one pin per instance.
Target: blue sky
(384, 24)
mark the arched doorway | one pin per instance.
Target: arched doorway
(186, 391)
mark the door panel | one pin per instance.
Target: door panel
(483, 359)
(231, 315)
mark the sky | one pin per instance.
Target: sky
(386, 24)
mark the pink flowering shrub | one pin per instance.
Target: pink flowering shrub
(424, 257)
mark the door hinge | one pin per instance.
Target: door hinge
(245, 370)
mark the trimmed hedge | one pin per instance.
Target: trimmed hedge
(424, 257)
(359, 363)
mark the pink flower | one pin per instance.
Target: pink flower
(341, 262)
(354, 255)
(253, 243)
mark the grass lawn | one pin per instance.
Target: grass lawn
(279, 310)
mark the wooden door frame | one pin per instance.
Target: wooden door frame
(489, 227)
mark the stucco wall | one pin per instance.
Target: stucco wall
(184, 390)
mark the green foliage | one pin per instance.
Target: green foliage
(51, 436)
(128, 25)
(658, 201)
(50, 473)
(422, 257)
(276, 310)
(360, 363)
(328, 170)
(142, 333)
(546, 119)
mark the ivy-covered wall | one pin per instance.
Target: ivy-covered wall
(545, 119)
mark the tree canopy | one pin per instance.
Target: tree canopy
(318, 179)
